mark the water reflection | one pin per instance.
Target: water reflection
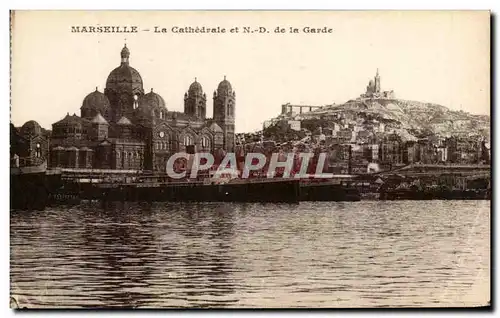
(123, 241)
(360, 254)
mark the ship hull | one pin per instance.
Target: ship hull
(328, 192)
(28, 191)
(279, 191)
(31, 187)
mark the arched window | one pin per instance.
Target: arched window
(205, 142)
(38, 151)
(188, 140)
(136, 101)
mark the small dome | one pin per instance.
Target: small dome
(70, 120)
(124, 121)
(98, 119)
(151, 101)
(96, 101)
(215, 128)
(224, 87)
(31, 128)
(195, 88)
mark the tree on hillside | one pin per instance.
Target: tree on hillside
(314, 123)
(281, 132)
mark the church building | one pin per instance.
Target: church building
(374, 90)
(125, 127)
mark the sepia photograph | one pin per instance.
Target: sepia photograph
(250, 159)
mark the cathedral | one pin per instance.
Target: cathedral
(373, 90)
(126, 128)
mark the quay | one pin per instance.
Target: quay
(134, 186)
(450, 182)
(35, 187)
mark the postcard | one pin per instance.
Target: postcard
(250, 159)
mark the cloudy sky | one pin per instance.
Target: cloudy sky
(440, 57)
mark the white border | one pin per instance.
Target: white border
(186, 5)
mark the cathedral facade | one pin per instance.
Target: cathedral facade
(125, 127)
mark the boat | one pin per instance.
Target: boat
(327, 190)
(220, 189)
(31, 186)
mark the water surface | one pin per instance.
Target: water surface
(312, 254)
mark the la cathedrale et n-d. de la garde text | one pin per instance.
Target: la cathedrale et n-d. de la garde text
(199, 30)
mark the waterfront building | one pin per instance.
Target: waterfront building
(126, 127)
(29, 144)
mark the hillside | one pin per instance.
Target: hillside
(409, 116)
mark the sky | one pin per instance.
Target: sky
(440, 57)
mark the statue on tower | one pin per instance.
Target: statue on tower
(374, 89)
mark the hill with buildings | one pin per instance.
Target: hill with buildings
(377, 127)
(413, 117)
(381, 112)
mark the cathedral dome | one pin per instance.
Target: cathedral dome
(195, 88)
(224, 87)
(96, 101)
(152, 101)
(31, 128)
(124, 75)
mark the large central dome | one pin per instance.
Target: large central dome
(124, 77)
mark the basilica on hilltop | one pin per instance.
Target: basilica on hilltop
(125, 127)
(373, 89)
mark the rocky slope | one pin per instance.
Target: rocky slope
(411, 116)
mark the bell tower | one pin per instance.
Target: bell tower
(377, 83)
(195, 101)
(224, 112)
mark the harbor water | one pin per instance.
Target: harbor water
(312, 254)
